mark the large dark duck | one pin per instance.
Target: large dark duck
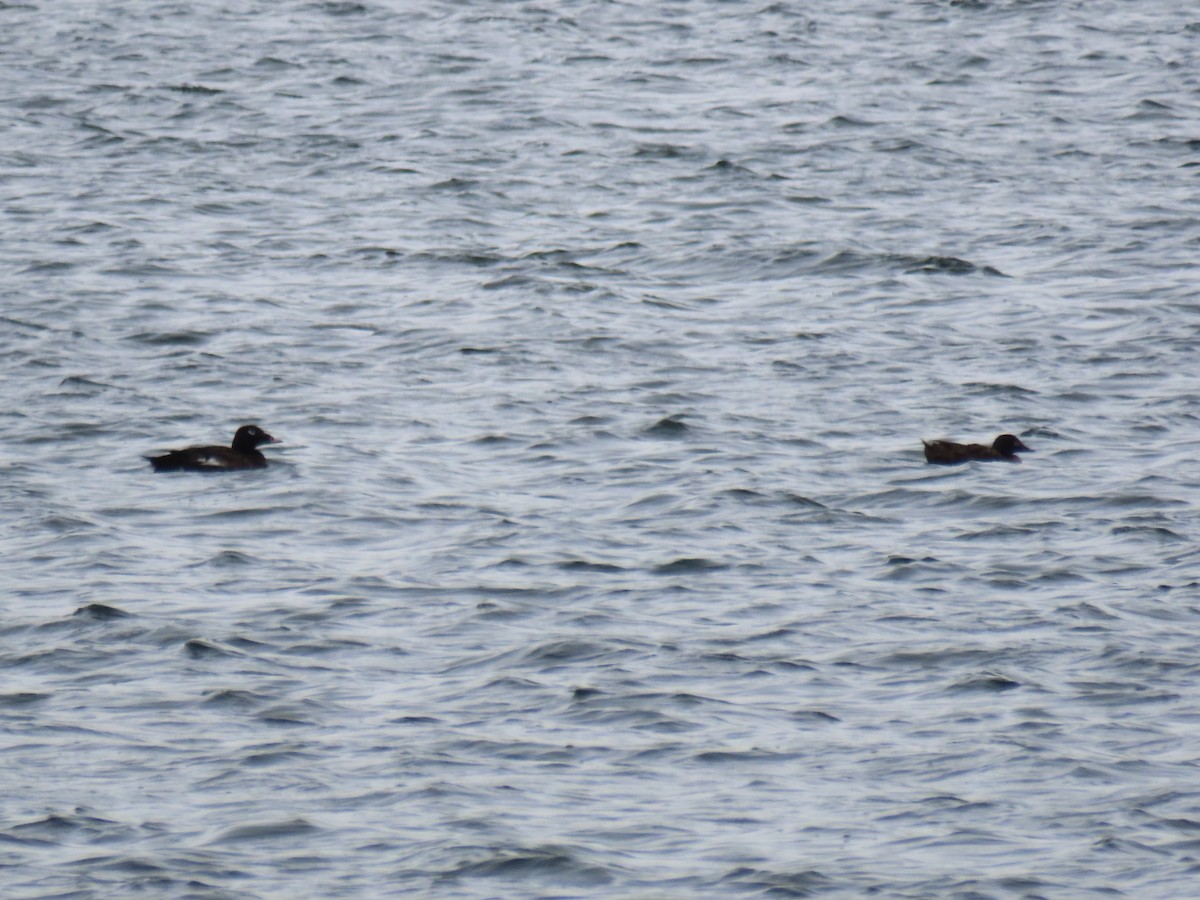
(242, 454)
(948, 453)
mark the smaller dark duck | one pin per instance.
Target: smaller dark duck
(242, 454)
(947, 452)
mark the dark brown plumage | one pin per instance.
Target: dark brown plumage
(242, 454)
(947, 452)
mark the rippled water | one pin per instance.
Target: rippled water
(600, 558)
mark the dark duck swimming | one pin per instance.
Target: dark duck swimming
(948, 453)
(243, 453)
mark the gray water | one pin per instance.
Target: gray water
(600, 557)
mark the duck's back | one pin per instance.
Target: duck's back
(207, 459)
(950, 452)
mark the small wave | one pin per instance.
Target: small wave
(22, 698)
(688, 564)
(804, 883)
(172, 338)
(227, 559)
(556, 863)
(668, 427)
(583, 565)
(743, 757)
(186, 88)
(236, 699)
(567, 651)
(200, 649)
(949, 265)
(986, 683)
(100, 612)
(266, 831)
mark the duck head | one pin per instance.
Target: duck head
(1008, 445)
